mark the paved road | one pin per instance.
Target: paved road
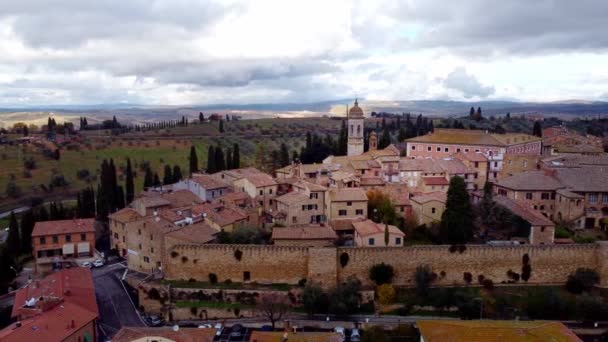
(16, 211)
(115, 306)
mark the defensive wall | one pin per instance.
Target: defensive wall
(550, 264)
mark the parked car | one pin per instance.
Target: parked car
(236, 331)
(155, 321)
(205, 326)
(266, 328)
(219, 327)
(85, 264)
(355, 336)
(98, 263)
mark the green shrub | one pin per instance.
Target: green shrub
(382, 273)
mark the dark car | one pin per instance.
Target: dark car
(236, 330)
(266, 328)
(155, 321)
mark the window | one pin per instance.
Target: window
(428, 148)
(246, 276)
(495, 164)
(447, 149)
(152, 250)
(605, 198)
(68, 238)
(342, 212)
(261, 192)
(314, 195)
(151, 237)
(397, 241)
(525, 163)
(360, 211)
(476, 164)
(349, 203)
(371, 241)
(475, 175)
(42, 240)
(438, 149)
(553, 195)
(303, 207)
(139, 231)
(401, 209)
(544, 196)
(592, 198)
(294, 219)
(528, 195)
(55, 239)
(83, 237)
(139, 246)
(123, 238)
(146, 259)
(413, 147)
(432, 210)
(310, 207)
(270, 191)
(466, 150)
(115, 235)
(458, 149)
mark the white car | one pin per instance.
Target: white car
(98, 263)
(86, 264)
(219, 327)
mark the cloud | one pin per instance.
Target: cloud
(467, 84)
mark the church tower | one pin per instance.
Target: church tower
(355, 130)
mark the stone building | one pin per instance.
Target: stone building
(304, 205)
(429, 207)
(346, 203)
(310, 235)
(368, 233)
(262, 188)
(206, 187)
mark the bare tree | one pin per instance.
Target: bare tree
(273, 306)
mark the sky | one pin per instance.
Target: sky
(186, 52)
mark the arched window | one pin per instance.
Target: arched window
(352, 129)
(358, 129)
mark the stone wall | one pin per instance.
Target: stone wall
(282, 264)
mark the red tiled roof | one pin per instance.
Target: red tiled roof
(125, 215)
(471, 156)
(520, 210)
(208, 182)
(369, 227)
(128, 334)
(63, 227)
(198, 233)
(261, 180)
(431, 196)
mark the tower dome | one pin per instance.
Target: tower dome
(355, 111)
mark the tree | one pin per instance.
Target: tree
(168, 175)
(201, 117)
(344, 299)
(381, 273)
(272, 306)
(12, 189)
(129, 185)
(156, 181)
(148, 178)
(177, 174)
(211, 160)
(120, 195)
(193, 159)
(385, 139)
(423, 277)
(13, 241)
(537, 130)
(314, 299)
(380, 208)
(221, 126)
(582, 280)
(284, 155)
(457, 219)
(236, 156)
(478, 115)
(27, 227)
(220, 163)
(472, 113)
(386, 294)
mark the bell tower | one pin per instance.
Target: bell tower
(356, 121)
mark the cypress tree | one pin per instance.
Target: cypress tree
(129, 184)
(236, 157)
(284, 155)
(177, 174)
(193, 160)
(221, 126)
(13, 241)
(211, 160)
(168, 176)
(472, 113)
(121, 198)
(27, 227)
(457, 219)
(229, 159)
(537, 130)
(43, 215)
(220, 163)
(156, 179)
(148, 178)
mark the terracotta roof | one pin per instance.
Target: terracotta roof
(348, 194)
(530, 180)
(292, 198)
(489, 330)
(453, 166)
(222, 215)
(371, 181)
(341, 175)
(208, 182)
(125, 215)
(304, 233)
(584, 179)
(369, 227)
(435, 181)
(427, 165)
(181, 198)
(63, 227)
(473, 137)
(569, 194)
(198, 233)
(431, 196)
(68, 303)
(261, 180)
(128, 334)
(519, 209)
(267, 336)
(152, 200)
(576, 160)
(310, 186)
(471, 156)
(233, 197)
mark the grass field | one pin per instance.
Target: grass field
(158, 151)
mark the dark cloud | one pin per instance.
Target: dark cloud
(467, 84)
